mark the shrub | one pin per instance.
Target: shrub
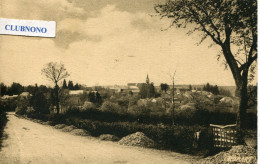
(30, 111)
(111, 107)
(73, 110)
(22, 104)
(137, 110)
(9, 104)
(88, 106)
(178, 138)
(20, 111)
(39, 103)
(185, 114)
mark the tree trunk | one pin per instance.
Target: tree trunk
(57, 98)
(241, 79)
(173, 102)
(243, 104)
(242, 107)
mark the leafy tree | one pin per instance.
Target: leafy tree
(190, 87)
(30, 88)
(44, 89)
(39, 102)
(3, 88)
(151, 90)
(98, 99)
(64, 99)
(147, 90)
(16, 89)
(70, 85)
(76, 87)
(215, 90)
(91, 97)
(207, 87)
(232, 26)
(164, 87)
(143, 91)
(55, 72)
(211, 88)
(64, 84)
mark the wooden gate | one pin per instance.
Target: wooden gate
(224, 136)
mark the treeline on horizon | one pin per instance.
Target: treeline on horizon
(16, 88)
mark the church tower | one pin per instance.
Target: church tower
(147, 79)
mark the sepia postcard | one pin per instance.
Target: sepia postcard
(128, 81)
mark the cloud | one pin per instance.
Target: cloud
(98, 49)
(109, 22)
(40, 9)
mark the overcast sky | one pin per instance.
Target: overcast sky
(106, 42)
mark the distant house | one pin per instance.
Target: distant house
(134, 89)
(25, 94)
(180, 90)
(118, 88)
(76, 92)
(9, 97)
(87, 92)
(227, 100)
(131, 84)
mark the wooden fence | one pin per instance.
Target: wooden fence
(224, 136)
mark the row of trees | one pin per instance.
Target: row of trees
(210, 88)
(17, 88)
(14, 89)
(95, 98)
(70, 85)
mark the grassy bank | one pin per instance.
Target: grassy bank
(3, 120)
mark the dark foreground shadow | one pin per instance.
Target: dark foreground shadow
(3, 135)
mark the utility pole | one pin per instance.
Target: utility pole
(172, 78)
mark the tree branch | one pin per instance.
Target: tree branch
(196, 16)
(209, 19)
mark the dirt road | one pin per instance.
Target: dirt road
(30, 142)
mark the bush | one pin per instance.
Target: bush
(9, 104)
(137, 110)
(88, 106)
(20, 111)
(73, 110)
(22, 104)
(111, 107)
(30, 111)
(178, 138)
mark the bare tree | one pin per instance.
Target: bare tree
(231, 25)
(55, 72)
